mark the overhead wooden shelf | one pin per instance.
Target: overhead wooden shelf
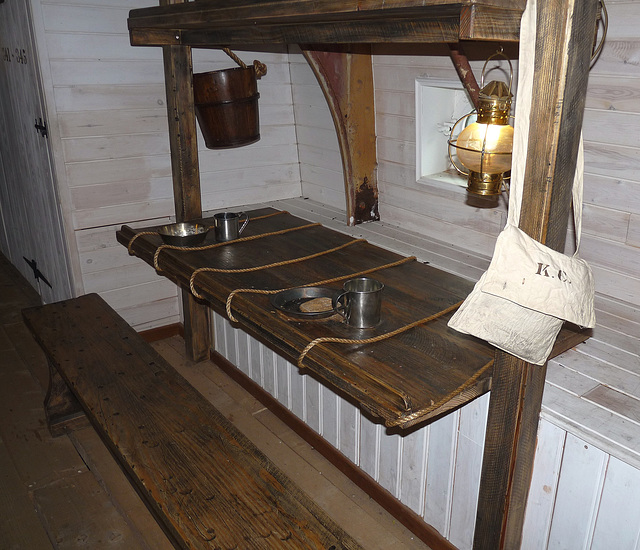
(409, 378)
(217, 23)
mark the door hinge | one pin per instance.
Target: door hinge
(41, 126)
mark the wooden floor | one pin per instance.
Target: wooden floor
(68, 492)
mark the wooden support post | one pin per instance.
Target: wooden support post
(346, 78)
(186, 177)
(562, 57)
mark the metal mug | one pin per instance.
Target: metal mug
(227, 225)
(361, 302)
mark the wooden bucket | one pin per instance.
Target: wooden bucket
(226, 105)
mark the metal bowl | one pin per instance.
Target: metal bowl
(183, 234)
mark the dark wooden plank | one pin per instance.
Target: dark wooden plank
(346, 79)
(416, 29)
(406, 379)
(490, 23)
(211, 486)
(327, 21)
(20, 526)
(562, 56)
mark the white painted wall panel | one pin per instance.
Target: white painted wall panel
(441, 462)
(413, 468)
(578, 496)
(544, 483)
(619, 526)
(109, 101)
(321, 173)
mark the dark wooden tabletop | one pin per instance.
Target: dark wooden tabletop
(406, 379)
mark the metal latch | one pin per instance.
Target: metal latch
(41, 127)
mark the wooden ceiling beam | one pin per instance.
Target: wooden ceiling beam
(330, 22)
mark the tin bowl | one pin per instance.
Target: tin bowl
(183, 233)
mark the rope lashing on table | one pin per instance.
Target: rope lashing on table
(227, 243)
(331, 340)
(317, 283)
(189, 248)
(380, 337)
(266, 266)
(411, 419)
(141, 234)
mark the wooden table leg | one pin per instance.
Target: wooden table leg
(62, 410)
(514, 410)
(197, 335)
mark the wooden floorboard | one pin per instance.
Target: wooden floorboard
(20, 524)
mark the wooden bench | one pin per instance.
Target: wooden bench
(206, 483)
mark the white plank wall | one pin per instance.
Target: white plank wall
(113, 148)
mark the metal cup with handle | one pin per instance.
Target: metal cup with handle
(361, 302)
(227, 225)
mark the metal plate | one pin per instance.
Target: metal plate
(290, 301)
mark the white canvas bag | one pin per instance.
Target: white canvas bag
(535, 276)
(519, 304)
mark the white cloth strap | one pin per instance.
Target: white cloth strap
(521, 128)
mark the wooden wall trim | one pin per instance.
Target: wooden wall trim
(160, 333)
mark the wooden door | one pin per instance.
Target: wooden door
(32, 222)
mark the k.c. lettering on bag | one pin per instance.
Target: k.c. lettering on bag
(543, 269)
(535, 276)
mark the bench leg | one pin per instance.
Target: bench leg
(63, 411)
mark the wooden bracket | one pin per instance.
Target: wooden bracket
(463, 68)
(346, 79)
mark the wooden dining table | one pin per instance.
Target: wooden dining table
(409, 368)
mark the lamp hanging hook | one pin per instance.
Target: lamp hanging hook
(498, 53)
